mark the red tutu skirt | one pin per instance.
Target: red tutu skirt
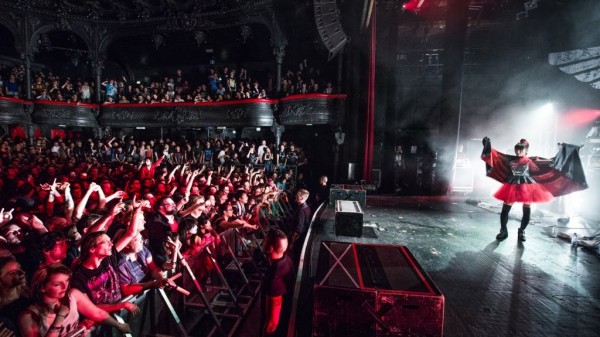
(525, 193)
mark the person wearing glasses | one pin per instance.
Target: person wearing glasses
(227, 219)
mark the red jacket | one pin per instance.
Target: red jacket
(148, 172)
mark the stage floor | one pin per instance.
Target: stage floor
(541, 287)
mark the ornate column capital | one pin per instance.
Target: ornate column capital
(279, 52)
(278, 130)
(98, 65)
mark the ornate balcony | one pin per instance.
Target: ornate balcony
(252, 112)
(312, 109)
(292, 110)
(63, 113)
(15, 111)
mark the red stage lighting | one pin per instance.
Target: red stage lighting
(580, 117)
(413, 6)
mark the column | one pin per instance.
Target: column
(210, 130)
(99, 133)
(30, 132)
(98, 67)
(340, 68)
(28, 76)
(279, 52)
(278, 131)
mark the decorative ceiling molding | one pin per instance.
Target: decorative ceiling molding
(180, 14)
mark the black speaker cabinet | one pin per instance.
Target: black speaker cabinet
(374, 290)
(329, 26)
(348, 218)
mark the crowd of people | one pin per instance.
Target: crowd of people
(221, 83)
(84, 224)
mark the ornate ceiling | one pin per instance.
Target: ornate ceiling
(180, 14)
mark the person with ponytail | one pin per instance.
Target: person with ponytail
(530, 180)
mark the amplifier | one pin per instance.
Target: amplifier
(374, 290)
(348, 218)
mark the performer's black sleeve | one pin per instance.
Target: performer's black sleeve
(487, 146)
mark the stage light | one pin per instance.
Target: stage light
(547, 109)
(413, 6)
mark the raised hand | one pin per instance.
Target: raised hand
(132, 308)
(94, 187)
(119, 194)
(124, 328)
(118, 208)
(5, 217)
(5, 332)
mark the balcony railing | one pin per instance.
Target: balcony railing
(291, 110)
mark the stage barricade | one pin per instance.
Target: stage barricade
(217, 301)
(157, 316)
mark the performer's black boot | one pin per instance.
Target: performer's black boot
(521, 234)
(503, 234)
(524, 222)
(503, 221)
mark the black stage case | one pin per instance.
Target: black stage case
(374, 290)
(348, 192)
(348, 218)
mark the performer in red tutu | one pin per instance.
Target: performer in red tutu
(531, 179)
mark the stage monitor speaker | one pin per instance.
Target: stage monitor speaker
(374, 290)
(329, 26)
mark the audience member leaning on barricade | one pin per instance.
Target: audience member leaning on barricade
(80, 205)
(56, 307)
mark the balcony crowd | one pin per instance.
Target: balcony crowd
(221, 83)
